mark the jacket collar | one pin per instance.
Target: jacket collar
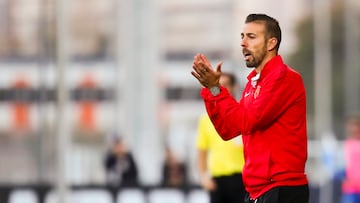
(273, 63)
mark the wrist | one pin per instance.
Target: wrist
(215, 90)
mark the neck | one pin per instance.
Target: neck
(266, 59)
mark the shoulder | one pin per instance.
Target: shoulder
(294, 75)
(284, 71)
(292, 71)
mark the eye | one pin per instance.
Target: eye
(252, 36)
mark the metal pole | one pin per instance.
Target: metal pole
(352, 61)
(139, 88)
(322, 81)
(121, 13)
(126, 55)
(322, 45)
(42, 66)
(62, 97)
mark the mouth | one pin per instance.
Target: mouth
(247, 55)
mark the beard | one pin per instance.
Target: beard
(256, 58)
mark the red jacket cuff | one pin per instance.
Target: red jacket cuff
(206, 94)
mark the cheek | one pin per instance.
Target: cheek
(257, 46)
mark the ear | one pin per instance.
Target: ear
(271, 43)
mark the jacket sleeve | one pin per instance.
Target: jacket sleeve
(276, 95)
(225, 113)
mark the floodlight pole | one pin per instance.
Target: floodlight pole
(63, 136)
(322, 81)
(352, 52)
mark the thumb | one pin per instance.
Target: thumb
(218, 66)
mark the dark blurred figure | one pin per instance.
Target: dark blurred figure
(120, 165)
(174, 171)
(351, 183)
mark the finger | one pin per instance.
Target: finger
(197, 76)
(204, 68)
(197, 57)
(218, 66)
(205, 61)
(200, 71)
(200, 68)
(203, 57)
(197, 63)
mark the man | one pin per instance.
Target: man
(174, 173)
(120, 166)
(271, 115)
(220, 162)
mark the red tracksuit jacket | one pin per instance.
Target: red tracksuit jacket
(271, 116)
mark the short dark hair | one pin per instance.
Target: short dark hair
(271, 24)
(231, 76)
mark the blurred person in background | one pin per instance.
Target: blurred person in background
(120, 165)
(351, 183)
(270, 116)
(220, 162)
(174, 173)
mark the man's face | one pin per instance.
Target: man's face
(254, 43)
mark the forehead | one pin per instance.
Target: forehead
(256, 27)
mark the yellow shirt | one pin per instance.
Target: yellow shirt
(224, 157)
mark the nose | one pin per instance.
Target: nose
(243, 43)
